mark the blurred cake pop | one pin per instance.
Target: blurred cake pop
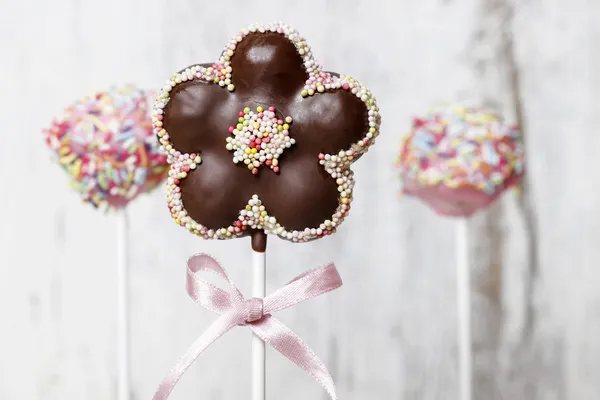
(105, 142)
(459, 159)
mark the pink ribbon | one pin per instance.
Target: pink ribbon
(255, 313)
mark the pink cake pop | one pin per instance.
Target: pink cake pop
(105, 142)
(459, 160)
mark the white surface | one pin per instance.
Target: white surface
(123, 305)
(259, 362)
(390, 331)
(463, 291)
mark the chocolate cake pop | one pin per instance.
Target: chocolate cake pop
(459, 159)
(263, 139)
(106, 144)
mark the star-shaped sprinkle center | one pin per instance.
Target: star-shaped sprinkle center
(259, 138)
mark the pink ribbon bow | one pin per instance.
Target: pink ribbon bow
(255, 313)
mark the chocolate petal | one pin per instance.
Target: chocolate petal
(267, 64)
(217, 190)
(329, 122)
(197, 116)
(302, 195)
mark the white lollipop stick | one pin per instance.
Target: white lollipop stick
(465, 368)
(123, 382)
(259, 361)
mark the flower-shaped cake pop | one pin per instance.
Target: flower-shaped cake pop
(459, 159)
(263, 139)
(106, 144)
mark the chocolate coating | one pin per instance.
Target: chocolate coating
(267, 71)
(259, 241)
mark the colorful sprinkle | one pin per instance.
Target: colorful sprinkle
(259, 138)
(106, 144)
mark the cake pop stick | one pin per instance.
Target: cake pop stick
(262, 142)
(106, 144)
(459, 160)
(259, 291)
(463, 302)
(123, 308)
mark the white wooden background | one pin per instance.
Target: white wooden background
(389, 333)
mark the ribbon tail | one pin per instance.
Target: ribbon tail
(218, 328)
(286, 342)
